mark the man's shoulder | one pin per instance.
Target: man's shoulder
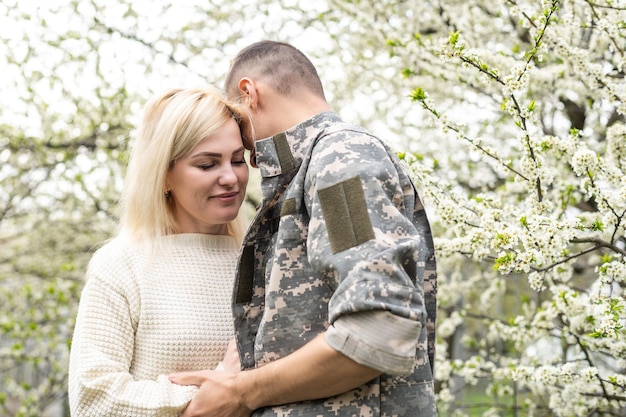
(346, 138)
(345, 128)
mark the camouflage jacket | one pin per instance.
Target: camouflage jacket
(340, 244)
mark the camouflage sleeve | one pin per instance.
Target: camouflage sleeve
(361, 238)
(378, 339)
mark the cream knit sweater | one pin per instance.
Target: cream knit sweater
(141, 317)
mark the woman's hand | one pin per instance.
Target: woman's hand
(231, 361)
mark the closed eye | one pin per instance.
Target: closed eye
(206, 167)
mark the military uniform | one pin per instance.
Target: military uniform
(340, 244)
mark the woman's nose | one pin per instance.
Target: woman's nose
(228, 175)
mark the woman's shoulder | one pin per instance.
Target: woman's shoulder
(115, 256)
(115, 248)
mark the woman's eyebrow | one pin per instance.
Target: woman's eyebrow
(202, 154)
(217, 154)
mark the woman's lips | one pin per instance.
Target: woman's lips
(225, 196)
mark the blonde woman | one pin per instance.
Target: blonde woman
(158, 295)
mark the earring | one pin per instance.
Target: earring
(168, 194)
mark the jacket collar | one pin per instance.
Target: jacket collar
(283, 153)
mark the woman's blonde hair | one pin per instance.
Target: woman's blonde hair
(174, 123)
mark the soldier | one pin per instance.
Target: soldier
(334, 298)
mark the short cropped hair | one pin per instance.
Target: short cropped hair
(174, 123)
(282, 66)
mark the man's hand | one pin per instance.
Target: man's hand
(217, 396)
(314, 371)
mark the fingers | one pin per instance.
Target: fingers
(187, 378)
(232, 346)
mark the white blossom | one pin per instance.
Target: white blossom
(584, 161)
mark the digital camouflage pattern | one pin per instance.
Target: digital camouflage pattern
(340, 239)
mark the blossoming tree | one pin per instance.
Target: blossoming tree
(526, 101)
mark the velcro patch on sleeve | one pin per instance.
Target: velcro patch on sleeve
(345, 214)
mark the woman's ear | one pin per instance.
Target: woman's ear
(166, 188)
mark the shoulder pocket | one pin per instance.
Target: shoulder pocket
(345, 213)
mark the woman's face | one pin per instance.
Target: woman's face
(208, 185)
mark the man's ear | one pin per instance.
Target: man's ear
(248, 93)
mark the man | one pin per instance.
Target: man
(334, 299)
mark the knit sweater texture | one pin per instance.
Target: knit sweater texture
(142, 316)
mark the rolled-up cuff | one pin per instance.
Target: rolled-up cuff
(377, 339)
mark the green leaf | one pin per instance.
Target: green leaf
(418, 94)
(454, 38)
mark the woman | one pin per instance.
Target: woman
(158, 295)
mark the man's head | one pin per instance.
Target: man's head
(279, 65)
(279, 85)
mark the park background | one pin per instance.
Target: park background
(509, 114)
